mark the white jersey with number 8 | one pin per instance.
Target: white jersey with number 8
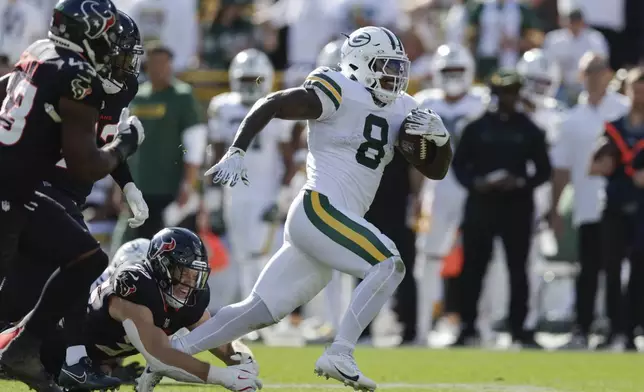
(352, 141)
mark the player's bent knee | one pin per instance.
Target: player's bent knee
(399, 266)
(395, 268)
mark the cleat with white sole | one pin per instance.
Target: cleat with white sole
(342, 367)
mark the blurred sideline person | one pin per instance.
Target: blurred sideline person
(250, 226)
(578, 134)
(623, 138)
(166, 171)
(457, 102)
(541, 79)
(491, 162)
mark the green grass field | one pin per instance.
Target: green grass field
(291, 369)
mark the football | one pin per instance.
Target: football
(415, 148)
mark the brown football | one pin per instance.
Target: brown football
(416, 149)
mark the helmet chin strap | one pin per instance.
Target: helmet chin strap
(64, 43)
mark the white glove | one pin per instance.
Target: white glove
(230, 169)
(137, 204)
(246, 363)
(235, 379)
(428, 124)
(128, 123)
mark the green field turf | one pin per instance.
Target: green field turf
(291, 369)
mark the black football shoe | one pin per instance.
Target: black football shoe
(83, 376)
(128, 373)
(20, 361)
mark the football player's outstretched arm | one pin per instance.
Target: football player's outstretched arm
(291, 104)
(152, 342)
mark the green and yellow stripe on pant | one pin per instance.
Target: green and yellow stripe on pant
(343, 230)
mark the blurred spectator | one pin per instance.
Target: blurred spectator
(491, 162)
(500, 30)
(173, 22)
(456, 22)
(613, 160)
(570, 155)
(307, 25)
(567, 45)
(21, 23)
(354, 14)
(166, 166)
(609, 18)
(230, 31)
(546, 11)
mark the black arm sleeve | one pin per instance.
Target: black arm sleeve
(122, 175)
(461, 162)
(541, 161)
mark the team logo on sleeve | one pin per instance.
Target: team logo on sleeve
(126, 284)
(81, 87)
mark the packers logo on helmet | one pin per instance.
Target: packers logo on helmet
(360, 40)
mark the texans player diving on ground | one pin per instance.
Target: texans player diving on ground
(153, 289)
(51, 104)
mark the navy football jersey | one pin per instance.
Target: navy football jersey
(30, 126)
(61, 179)
(105, 337)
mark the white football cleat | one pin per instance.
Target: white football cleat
(147, 381)
(343, 367)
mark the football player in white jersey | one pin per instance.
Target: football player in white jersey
(457, 102)
(330, 55)
(267, 161)
(542, 79)
(354, 116)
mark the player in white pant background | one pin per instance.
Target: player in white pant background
(457, 102)
(250, 230)
(354, 117)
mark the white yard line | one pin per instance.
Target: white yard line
(413, 386)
